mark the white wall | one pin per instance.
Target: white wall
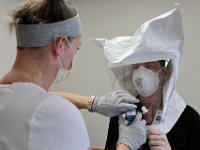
(7, 42)
(110, 18)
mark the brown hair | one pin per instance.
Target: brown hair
(42, 11)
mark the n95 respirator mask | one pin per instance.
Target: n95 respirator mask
(145, 81)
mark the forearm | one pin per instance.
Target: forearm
(80, 101)
(111, 104)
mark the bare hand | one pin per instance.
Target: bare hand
(158, 140)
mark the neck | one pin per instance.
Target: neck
(30, 69)
(152, 103)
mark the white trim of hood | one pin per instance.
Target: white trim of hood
(175, 108)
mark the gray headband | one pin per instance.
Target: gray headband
(36, 35)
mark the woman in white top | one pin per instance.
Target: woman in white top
(48, 35)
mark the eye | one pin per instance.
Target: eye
(148, 66)
(135, 67)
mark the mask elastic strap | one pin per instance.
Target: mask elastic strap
(158, 73)
(160, 70)
(55, 38)
(70, 47)
(60, 62)
(72, 53)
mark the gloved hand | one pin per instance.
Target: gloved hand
(114, 103)
(133, 135)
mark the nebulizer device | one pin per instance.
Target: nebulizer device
(130, 115)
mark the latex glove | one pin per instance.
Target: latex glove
(133, 135)
(158, 140)
(114, 103)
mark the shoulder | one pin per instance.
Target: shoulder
(57, 121)
(190, 111)
(188, 119)
(190, 116)
(54, 103)
(55, 108)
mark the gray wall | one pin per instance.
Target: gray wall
(110, 18)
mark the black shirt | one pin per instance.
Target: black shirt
(185, 134)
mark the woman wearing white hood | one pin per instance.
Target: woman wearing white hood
(147, 65)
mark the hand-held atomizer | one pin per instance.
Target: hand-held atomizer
(130, 115)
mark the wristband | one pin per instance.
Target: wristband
(90, 103)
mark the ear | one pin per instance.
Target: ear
(59, 45)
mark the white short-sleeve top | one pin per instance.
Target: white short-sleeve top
(33, 119)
